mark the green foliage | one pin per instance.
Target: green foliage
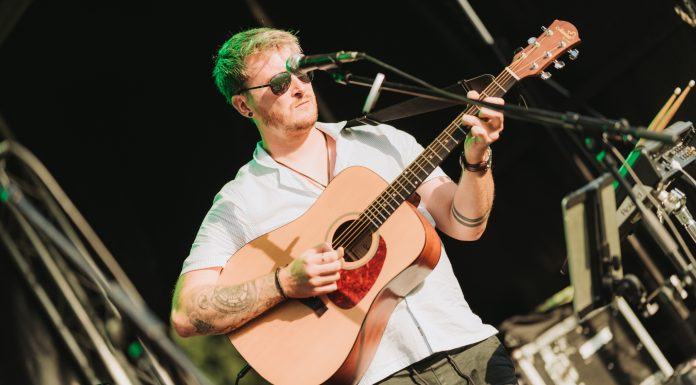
(217, 358)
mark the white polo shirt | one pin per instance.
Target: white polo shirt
(264, 196)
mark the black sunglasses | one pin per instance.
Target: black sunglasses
(280, 82)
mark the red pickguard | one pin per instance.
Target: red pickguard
(354, 284)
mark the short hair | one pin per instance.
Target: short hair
(229, 71)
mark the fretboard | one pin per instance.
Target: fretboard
(432, 156)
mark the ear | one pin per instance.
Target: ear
(239, 102)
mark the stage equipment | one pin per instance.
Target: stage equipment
(654, 165)
(592, 244)
(610, 346)
(100, 320)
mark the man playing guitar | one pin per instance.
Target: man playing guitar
(432, 336)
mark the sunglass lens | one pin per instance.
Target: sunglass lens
(307, 77)
(280, 83)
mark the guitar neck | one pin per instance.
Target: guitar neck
(541, 52)
(431, 157)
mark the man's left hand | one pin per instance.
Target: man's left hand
(485, 129)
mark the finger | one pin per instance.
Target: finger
(488, 125)
(326, 257)
(324, 280)
(494, 100)
(326, 289)
(493, 124)
(326, 268)
(323, 247)
(320, 254)
(487, 113)
(471, 120)
(473, 95)
(480, 136)
(312, 255)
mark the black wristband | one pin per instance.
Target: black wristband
(277, 283)
(477, 167)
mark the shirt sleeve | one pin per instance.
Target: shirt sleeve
(409, 148)
(221, 234)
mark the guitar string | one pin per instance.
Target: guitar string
(394, 191)
(354, 231)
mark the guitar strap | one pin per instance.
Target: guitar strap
(420, 105)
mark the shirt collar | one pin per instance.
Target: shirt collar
(263, 158)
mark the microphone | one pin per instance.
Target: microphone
(299, 64)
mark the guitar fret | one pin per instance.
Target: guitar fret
(372, 209)
(441, 145)
(389, 204)
(513, 74)
(412, 173)
(499, 86)
(383, 201)
(432, 156)
(430, 164)
(397, 193)
(373, 223)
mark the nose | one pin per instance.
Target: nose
(297, 87)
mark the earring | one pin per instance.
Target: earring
(251, 114)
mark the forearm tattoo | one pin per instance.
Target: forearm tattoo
(468, 222)
(231, 306)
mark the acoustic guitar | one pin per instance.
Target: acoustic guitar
(389, 249)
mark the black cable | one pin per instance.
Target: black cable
(242, 372)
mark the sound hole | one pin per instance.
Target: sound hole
(356, 282)
(356, 242)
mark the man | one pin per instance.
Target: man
(293, 163)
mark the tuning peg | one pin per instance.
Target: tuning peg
(573, 54)
(545, 75)
(547, 31)
(558, 64)
(531, 40)
(517, 50)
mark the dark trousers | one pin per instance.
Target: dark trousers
(484, 363)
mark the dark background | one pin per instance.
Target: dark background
(116, 98)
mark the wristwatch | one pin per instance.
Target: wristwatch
(477, 167)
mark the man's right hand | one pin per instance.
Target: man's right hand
(314, 273)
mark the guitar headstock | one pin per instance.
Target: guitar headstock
(558, 38)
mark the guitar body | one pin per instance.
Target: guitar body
(332, 339)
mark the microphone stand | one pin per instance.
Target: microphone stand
(568, 120)
(592, 126)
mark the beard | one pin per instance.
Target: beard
(298, 122)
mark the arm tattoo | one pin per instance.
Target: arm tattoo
(231, 306)
(468, 222)
(235, 299)
(202, 327)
